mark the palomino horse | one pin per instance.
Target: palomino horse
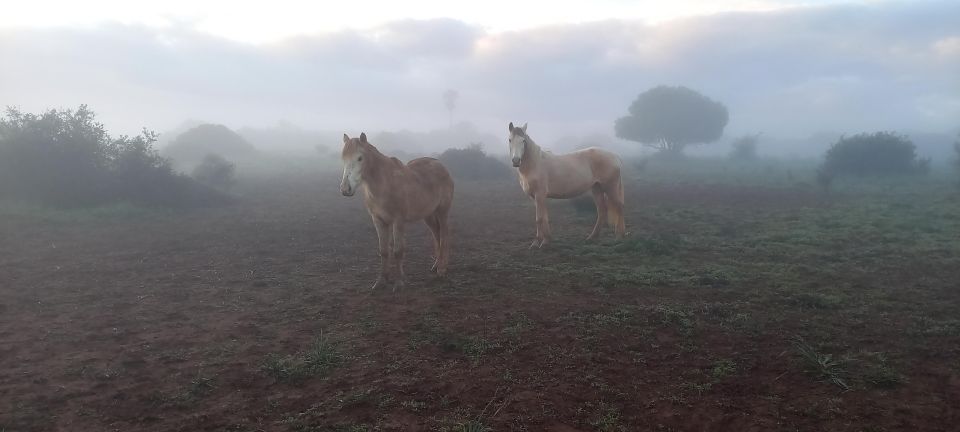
(545, 175)
(396, 194)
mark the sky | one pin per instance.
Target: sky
(783, 68)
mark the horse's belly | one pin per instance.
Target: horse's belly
(570, 184)
(566, 194)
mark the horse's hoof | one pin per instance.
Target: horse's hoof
(397, 285)
(536, 243)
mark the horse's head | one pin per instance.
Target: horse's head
(352, 156)
(518, 143)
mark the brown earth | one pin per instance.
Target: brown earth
(164, 322)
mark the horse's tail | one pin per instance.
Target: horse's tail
(615, 206)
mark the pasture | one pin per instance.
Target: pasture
(749, 302)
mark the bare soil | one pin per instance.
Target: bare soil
(165, 321)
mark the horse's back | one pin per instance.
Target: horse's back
(433, 177)
(604, 164)
(430, 169)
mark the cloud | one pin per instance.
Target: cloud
(789, 72)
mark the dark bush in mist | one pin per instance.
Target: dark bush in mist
(471, 163)
(584, 204)
(671, 118)
(403, 144)
(216, 172)
(744, 148)
(188, 149)
(876, 154)
(67, 158)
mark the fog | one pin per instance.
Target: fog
(794, 74)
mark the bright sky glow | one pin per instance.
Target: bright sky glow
(267, 21)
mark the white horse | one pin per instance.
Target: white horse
(545, 175)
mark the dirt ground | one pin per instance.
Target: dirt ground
(729, 308)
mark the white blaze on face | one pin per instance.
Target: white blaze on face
(516, 149)
(352, 167)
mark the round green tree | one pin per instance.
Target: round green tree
(670, 118)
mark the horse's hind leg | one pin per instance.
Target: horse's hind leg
(399, 246)
(433, 222)
(443, 244)
(600, 200)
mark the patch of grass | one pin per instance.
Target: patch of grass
(197, 388)
(414, 405)
(823, 366)
(878, 372)
(517, 323)
(606, 419)
(473, 426)
(321, 357)
(817, 301)
(430, 331)
(675, 317)
(617, 317)
(723, 368)
(201, 385)
(713, 278)
(700, 388)
(932, 327)
(662, 244)
(475, 348)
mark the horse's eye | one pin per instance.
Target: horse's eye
(359, 159)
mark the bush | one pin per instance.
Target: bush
(216, 172)
(584, 204)
(880, 153)
(471, 163)
(66, 158)
(189, 149)
(745, 148)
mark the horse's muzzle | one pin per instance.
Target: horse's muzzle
(346, 192)
(516, 163)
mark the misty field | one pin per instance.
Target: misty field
(753, 303)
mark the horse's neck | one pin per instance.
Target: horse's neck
(533, 156)
(377, 174)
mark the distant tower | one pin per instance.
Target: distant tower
(450, 101)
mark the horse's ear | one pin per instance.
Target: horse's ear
(346, 139)
(524, 128)
(363, 137)
(510, 128)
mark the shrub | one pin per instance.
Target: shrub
(471, 163)
(584, 204)
(880, 153)
(66, 158)
(745, 148)
(216, 172)
(189, 149)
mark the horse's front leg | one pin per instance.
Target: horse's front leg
(399, 247)
(384, 235)
(543, 222)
